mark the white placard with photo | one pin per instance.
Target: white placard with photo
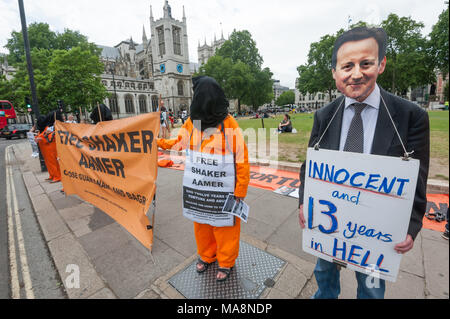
(239, 209)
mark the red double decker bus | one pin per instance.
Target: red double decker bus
(7, 112)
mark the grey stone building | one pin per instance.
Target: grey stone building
(206, 51)
(138, 75)
(5, 69)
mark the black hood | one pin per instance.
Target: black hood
(50, 118)
(209, 104)
(40, 123)
(104, 110)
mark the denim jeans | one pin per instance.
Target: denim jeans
(446, 225)
(328, 279)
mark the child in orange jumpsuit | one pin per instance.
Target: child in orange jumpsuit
(215, 146)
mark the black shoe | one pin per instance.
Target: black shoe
(226, 271)
(445, 235)
(204, 265)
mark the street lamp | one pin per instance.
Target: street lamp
(111, 69)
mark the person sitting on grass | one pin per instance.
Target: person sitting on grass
(285, 126)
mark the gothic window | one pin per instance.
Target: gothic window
(154, 103)
(142, 104)
(180, 88)
(152, 86)
(140, 86)
(119, 84)
(129, 107)
(145, 86)
(113, 105)
(105, 83)
(132, 85)
(176, 35)
(127, 85)
(161, 42)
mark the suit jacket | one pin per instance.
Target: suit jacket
(413, 126)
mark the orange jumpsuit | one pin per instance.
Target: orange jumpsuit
(47, 145)
(217, 243)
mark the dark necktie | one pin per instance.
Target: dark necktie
(355, 136)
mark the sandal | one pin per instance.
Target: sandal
(204, 265)
(226, 271)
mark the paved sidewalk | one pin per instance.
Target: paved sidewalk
(113, 264)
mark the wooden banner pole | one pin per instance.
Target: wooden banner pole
(99, 112)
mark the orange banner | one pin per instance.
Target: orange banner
(436, 204)
(113, 166)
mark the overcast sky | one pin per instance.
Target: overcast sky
(283, 29)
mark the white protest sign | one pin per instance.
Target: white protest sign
(207, 182)
(357, 207)
(34, 147)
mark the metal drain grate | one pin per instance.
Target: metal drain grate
(254, 267)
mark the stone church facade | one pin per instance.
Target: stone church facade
(206, 51)
(138, 75)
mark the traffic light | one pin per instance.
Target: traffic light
(28, 105)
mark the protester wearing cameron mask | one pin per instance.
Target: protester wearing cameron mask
(359, 122)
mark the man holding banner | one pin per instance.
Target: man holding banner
(366, 120)
(113, 166)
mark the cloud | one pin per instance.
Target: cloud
(283, 30)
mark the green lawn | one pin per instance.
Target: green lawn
(439, 136)
(292, 147)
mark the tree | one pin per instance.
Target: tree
(69, 39)
(66, 66)
(41, 37)
(241, 47)
(439, 42)
(6, 89)
(238, 82)
(218, 68)
(315, 76)
(260, 89)
(285, 98)
(40, 59)
(409, 63)
(74, 77)
(237, 68)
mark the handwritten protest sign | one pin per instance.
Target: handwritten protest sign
(113, 166)
(357, 207)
